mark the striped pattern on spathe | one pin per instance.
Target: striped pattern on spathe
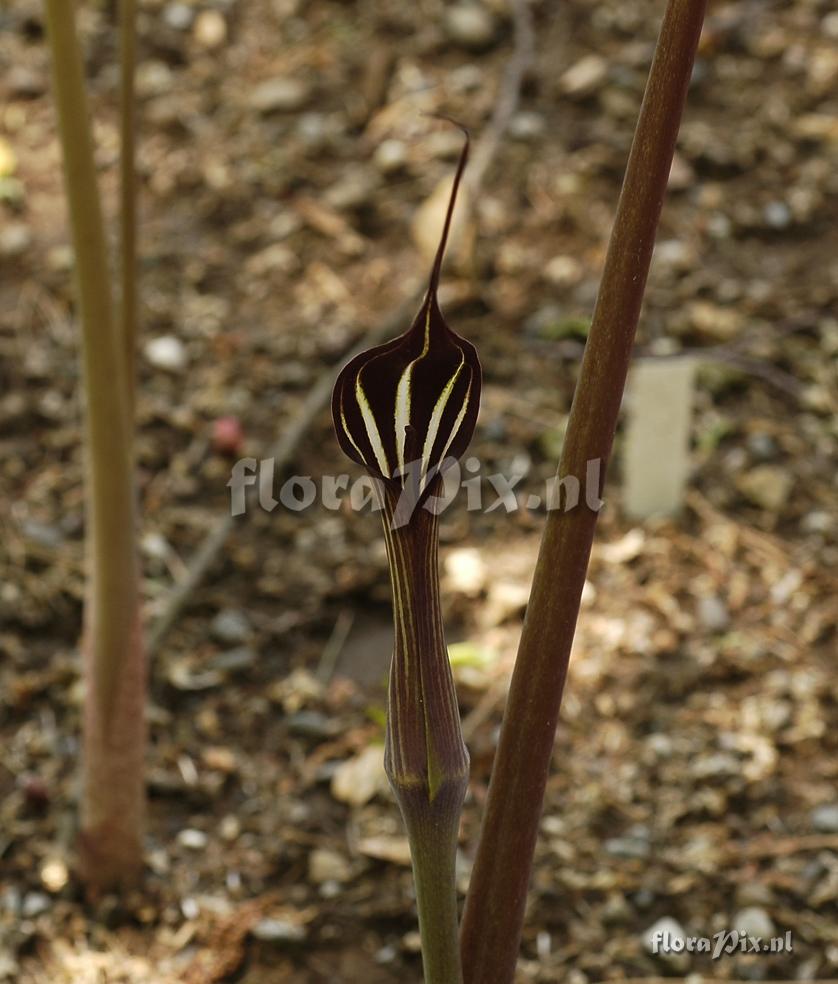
(402, 408)
(410, 403)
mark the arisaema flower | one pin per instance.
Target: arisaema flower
(402, 410)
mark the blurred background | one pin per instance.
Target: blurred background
(290, 188)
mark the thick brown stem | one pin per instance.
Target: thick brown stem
(494, 910)
(114, 730)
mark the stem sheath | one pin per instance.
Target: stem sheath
(425, 756)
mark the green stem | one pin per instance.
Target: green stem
(494, 910)
(114, 730)
(425, 757)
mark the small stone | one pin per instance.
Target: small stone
(34, 904)
(817, 521)
(219, 759)
(230, 828)
(154, 78)
(311, 724)
(713, 613)
(470, 25)
(24, 83)
(465, 571)
(235, 660)
(277, 931)
(167, 353)
(616, 910)
(585, 77)
(628, 847)
(192, 840)
(526, 127)
(327, 866)
(9, 968)
(190, 908)
(353, 189)
(231, 625)
(766, 486)
(825, 818)
(563, 271)
(54, 875)
(713, 321)
(659, 935)
(210, 29)
(280, 95)
(753, 921)
(777, 215)
(178, 16)
(390, 156)
(762, 446)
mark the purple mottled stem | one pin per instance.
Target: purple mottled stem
(425, 756)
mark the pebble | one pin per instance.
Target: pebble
(311, 724)
(178, 16)
(825, 818)
(34, 904)
(54, 874)
(766, 486)
(585, 77)
(282, 95)
(390, 156)
(166, 352)
(231, 625)
(713, 613)
(762, 446)
(526, 127)
(715, 322)
(25, 83)
(754, 921)
(192, 840)
(777, 215)
(325, 865)
(210, 29)
(154, 78)
(235, 660)
(353, 189)
(277, 931)
(9, 968)
(563, 270)
(470, 25)
(675, 930)
(635, 843)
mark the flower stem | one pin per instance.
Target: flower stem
(112, 801)
(494, 910)
(425, 756)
